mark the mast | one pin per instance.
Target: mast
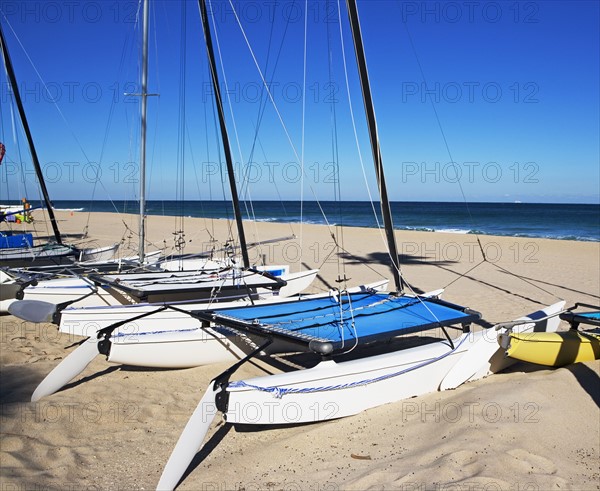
(34, 157)
(372, 124)
(224, 136)
(144, 95)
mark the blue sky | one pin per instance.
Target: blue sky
(507, 90)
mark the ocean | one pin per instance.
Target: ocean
(554, 221)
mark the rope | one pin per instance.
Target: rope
(355, 131)
(302, 144)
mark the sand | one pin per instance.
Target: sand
(114, 427)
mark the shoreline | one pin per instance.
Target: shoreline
(63, 215)
(574, 222)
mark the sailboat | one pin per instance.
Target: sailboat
(205, 279)
(339, 332)
(26, 253)
(363, 347)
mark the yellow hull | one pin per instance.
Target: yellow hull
(554, 349)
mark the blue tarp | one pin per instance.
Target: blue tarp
(10, 240)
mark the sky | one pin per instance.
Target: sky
(475, 101)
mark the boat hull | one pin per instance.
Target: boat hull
(42, 255)
(554, 349)
(87, 320)
(171, 339)
(77, 290)
(176, 349)
(335, 390)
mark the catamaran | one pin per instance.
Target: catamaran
(20, 249)
(363, 348)
(194, 278)
(360, 348)
(342, 334)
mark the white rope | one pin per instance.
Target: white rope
(353, 120)
(303, 125)
(245, 176)
(393, 263)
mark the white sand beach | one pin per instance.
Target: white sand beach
(114, 427)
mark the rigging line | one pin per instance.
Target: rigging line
(202, 210)
(105, 142)
(317, 310)
(48, 93)
(353, 120)
(180, 191)
(439, 123)
(522, 278)
(14, 136)
(392, 261)
(262, 107)
(359, 151)
(349, 254)
(264, 82)
(458, 180)
(245, 175)
(151, 154)
(19, 153)
(262, 103)
(303, 134)
(462, 275)
(13, 100)
(265, 85)
(335, 151)
(210, 195)
(228, 214)
(8, 158)
(228, 96)
(273, 181)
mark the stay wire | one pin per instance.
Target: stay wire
(392, 262)
(458, 180)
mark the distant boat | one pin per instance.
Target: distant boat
(190, 277)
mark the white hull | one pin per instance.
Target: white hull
(422, 375)
(330, 390)
(97, 254)
(8, 290)
(170, 347)
(59, 290)
(182, 342)
(334, 390)
(176, 348)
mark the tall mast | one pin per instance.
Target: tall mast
(144, 96)
(372, 124)
(34, 157)
(224, 136)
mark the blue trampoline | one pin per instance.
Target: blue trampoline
(576, 318)
(331, 323)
